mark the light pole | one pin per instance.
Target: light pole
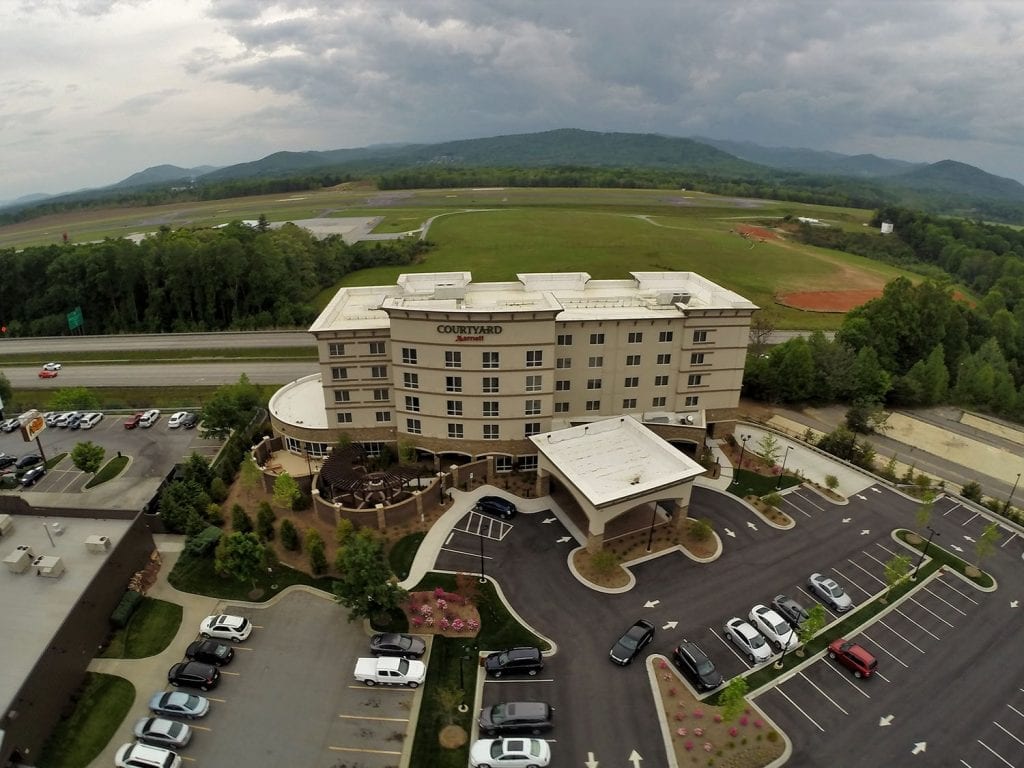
(654, 517)
(783, 471)
(1009, 501)
(483, 577)
(743, 450)
(924, 552)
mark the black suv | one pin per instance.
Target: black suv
(194, 674)
(696, 665)
(531, 717)
(210, 652)
(515, 661)
(496, 506)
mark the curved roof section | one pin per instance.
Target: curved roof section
(301, 403)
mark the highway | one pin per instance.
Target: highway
(53, 346)
(160, 374)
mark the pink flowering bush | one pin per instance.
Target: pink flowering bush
(439, 592)
(458, 625)
(444, 624)
(698, 713)
(688, 746)
(672, 691)
(473, 625)
(417, 621)
(441, 604)
(681, 731)
(429, 621)
(718, 718)
(733, 731)
(743, 720)
(698, 731)
(426, 610)
(707, 746)
(680, 715)
(758, 724)
(662, 664)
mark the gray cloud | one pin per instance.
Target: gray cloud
(144, 102)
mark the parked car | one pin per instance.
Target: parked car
(52, 418)
(750, 642)
(47, 374)
(696, 666)
(139, 755)
(226, 627)
(52, 366)
(775, 628)
(62, 420)
(533, 717)
(132, 421)
(514, 661)
(393, 644)
(31, 477)
(193, 674)
(176, 419)
(90, 420)
(210, 652)
(390, 670)
(496, 506)
(75, 421)
(161, 732)
(179, 704)
(149, 418)
(853, 656)
(9, 425)
(28, 460)
(509, 753)
(7, 461)
(190, 420)
(830, 593)
(790, 610)
(632, 642)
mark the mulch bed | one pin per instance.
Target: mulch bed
(828, 301)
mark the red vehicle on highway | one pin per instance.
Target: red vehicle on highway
(45, 374)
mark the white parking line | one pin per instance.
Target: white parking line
(901, 637)
(834, 702)
(813, 721)
(879, 674)
(521, 680)
(939, 597)
(889, 653)
(944, 583)
(901, 613)
(731, 647)
(986, 746)
(380, 719)
(955, 506)
(848, 580)
(814, 599)
(846, 679)
(1015, 710)
(451, 535)
(933, 613)
(1013, 535)
(885, 548)
(965, 763)
(881, 563)
(467, 554)
(1012, 736)
(965, 522)
(795, 506)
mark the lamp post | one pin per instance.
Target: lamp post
(783, 471)
(654, 517)
(483, 577)
(924, 552)
(1009, 501)
(743, 450)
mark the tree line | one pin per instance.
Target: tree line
(232, 278)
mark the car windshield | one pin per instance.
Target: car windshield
(534, 747)
(174, 729)
(705, 667)
(782, 628)
(629, 641)
(834, 589)
(499, 714)
(220, 650)
(403, 666)
(192, 701)
(756, 641)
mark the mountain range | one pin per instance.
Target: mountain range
(954, 184)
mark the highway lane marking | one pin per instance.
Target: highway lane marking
(365, 751)
(1011, 735)
(797, 707)
(886, 650)
(846, 679)
(901, 613)
(939, 597)
(901, 637)
(731, 646)
(815, 687)
(1015, 710)
(944, 583)
(986, 746)
(965, 522)
(381, 719)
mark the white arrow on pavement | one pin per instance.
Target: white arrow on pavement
(634, 758)
(547, 520)
(591, 762)
(1014, 603)
(729, 533)
(564, 539)
(919, 747)
(670, 625)
(865, 532)
(954, 546)
(968, 538)
(861, 496)
(651, 603)
(847, 519)
(875, 489)
(751, 525)
(887, 720)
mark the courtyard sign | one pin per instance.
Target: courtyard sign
(470, 332)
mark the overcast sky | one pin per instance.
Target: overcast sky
(92, 91)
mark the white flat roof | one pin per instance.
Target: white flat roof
(615, 459)
(34, 607)
(301, 403)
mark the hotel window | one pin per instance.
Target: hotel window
(491, 359)
(565, 339)
(528, 463)
(452, 359)
(503, 463)
(454, 407)
(411, 380)
(632, 381)
(344, 418)
(562, 385)
(691, 400)
(534, 358)
(380, 394)
(693, 380)
(700, 337)
(455, 431)
(632, 360)
(533, 383)
(491, 408)
(383, 416)
(666, 359)
(697, 358)
(339, 373)
(412, 404)
(593, 405)
(491, 432)
(597, 361)
(658, 402)
(665, 336)
(379, 372)
(453, 383)
(597, 338)
(635, 337)
(342, 395)
(561, 407)
(563, 362)
(409, 356)
(532, 408)
(593, 383)
(629, 404)
(336, 349)
(490, 385)
(376, 347)
(661, 381)
(413, 426)
(533, 428)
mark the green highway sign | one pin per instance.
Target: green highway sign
(75, 319)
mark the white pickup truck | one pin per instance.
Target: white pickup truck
(390, 671)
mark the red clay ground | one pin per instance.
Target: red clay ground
(828, 301)
(761, 232)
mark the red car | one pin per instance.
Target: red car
(133, 421)
(44, 374)
(852, 656)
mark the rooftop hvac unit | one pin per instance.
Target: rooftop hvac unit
(686, 419)
(97, 544)
(680, 298)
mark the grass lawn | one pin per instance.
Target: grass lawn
(196, 575)
(105, 357)
(149, 631)
(747, 483)
(403, 552)
(136, 398)
(108, 471)
(449, 670)
(104, 701)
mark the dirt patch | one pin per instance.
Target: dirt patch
(760, 233)
(828, 301)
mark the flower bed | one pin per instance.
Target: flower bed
(442, 613)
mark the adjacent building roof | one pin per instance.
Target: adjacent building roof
(301, 403)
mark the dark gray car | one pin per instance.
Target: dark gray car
(790, 610)
(513, 717)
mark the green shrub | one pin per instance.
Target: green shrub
(218, 490)
(204, 542)
(289, 536)
(214, 514)
(240, 520)
(123, 613)
(302, 502)
(343, 532)
(315, 549)
(972, 491)
(265, 518)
